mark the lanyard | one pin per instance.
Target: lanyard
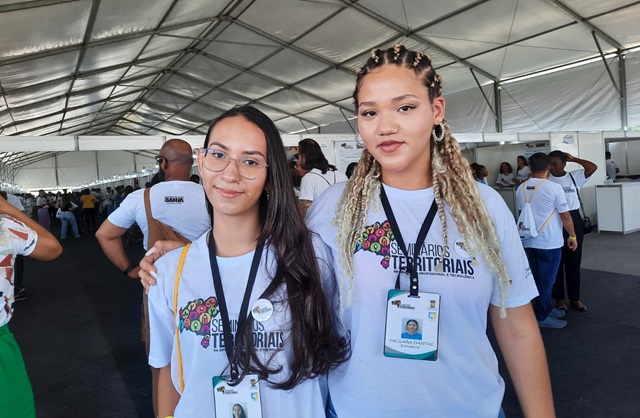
(229, 344)
(411, 262)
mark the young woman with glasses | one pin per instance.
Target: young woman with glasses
(461, 263)
(252, 306)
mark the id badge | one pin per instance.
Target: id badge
(242, 400)
(412, 326)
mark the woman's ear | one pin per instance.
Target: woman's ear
(438, 107)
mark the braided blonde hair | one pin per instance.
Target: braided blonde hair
(453, 184)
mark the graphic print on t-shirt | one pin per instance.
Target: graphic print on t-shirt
(196, 317)
(379, 239)
(202, 317)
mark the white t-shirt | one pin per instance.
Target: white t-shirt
(314, 183)
(570, 192)
(611, 169)
(15, 202)
(523, 173)
(203, 356)
(464, 381)
(505, 179)
(15, 239)
(179, 204)
(548, 196)
(109, 197)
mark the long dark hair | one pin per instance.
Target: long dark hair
(313, 156)
(315, 345)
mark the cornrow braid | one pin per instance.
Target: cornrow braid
(399, 55)
(355, 202)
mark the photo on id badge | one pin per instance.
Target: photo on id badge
(240, 401)
(412, 325)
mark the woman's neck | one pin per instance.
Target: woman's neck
(413, 178)
(235, 235)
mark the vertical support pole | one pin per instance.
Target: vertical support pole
(497, 89)
(55, 163)
(622, 77)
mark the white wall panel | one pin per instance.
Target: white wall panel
(490, 157)
(103, 143)
(591, 147)
(633, 156)
(510, 154)
(618, 152)
(37, 143)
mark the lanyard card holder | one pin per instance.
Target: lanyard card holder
(244, 397)
(412, 325)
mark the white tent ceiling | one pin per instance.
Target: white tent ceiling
(168, 67)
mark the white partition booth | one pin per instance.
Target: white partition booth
(617, 206)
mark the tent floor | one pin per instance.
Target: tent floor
(79, 333)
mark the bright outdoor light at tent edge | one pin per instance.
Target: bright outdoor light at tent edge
(118, 177)
(561, 68)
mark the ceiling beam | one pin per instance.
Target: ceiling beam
(587, 23)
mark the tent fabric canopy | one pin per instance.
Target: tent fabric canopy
(168, 67)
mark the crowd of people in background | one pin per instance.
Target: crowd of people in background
(87, 206)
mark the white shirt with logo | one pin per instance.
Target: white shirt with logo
(201, 339)
(523, 173)
(505, 179)
(179, 204)
(314, 183)
(548, 196)
(569, 188)
(464, 380)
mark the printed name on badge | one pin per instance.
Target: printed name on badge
(412, 325)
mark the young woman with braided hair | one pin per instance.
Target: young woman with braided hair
(463, 266)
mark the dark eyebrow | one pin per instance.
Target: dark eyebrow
(224, 147)
(395, 100)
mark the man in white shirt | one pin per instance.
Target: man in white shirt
(176, 201)
(569, 270)
(320, 175)
(612, 168)
(549, 207)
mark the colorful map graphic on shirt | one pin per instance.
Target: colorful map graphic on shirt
(377, 239)
(196, 317)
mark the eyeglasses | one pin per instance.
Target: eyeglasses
(249, 168)
(159, 159)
